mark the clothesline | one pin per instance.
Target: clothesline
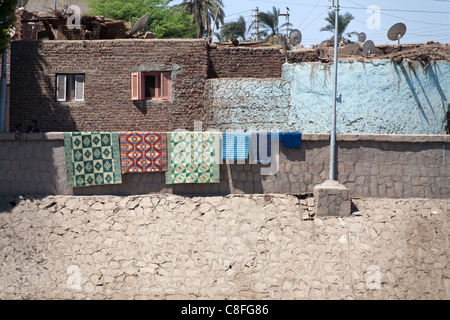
(97, 158)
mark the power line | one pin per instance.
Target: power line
(400, 10)
(359, 8)
(233, 14)
(309, 13)
(315, 19)
(391, 15)
(290, 3)
(409, 31)
(245, 17)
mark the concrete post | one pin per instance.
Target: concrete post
(332, 199)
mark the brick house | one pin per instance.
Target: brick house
(124, 84)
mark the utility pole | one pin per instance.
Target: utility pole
(214, 24)
(287, 30)
(333, 119)
(256, 24)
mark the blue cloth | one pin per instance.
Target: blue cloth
(235, 145)
(260, 144)
(291, 139)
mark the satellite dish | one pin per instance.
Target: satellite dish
(397, 31)
(368, 48)
(139, 25)
(295, 37)
(362, 37)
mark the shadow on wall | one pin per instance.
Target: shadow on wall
(33, 91)
(34, 168)
(431, 74)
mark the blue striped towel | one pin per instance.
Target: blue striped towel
(235, 145)
(261, 146)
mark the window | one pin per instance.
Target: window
(151, 85)
(70, 87)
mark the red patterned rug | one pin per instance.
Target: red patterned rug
(143, 151)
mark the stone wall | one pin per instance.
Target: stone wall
(234, 247)
(392, 166)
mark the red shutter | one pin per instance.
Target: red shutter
(137, 86)
(165, 85)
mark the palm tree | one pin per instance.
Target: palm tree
(343, 21)
(203, 13)
(235, 29)
(269, 22)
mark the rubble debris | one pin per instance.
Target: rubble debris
(53, 26)
(431, 51)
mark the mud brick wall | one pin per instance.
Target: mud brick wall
(25, 31)
(235, 247)
(233, 62)
(379, 166)
(107, 65)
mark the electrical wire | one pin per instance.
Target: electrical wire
(233, 14)
(309, 13)
(319, 16)
(289, 3)
(391, 15)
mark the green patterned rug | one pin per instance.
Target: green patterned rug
(193, 157)
(92, 158)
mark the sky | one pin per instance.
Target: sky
(425, 19)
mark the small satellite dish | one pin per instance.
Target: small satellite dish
(295, 37)
(397, 31)
(362, 37)
(139, 25)
(368, 48)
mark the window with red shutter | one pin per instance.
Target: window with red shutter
(165, 85)
(154, 85)
(136, 86)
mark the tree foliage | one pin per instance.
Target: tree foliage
(269, 23)
(236, 29)
(7, 20)
(343, 22)
(165, 21)
(203, 13)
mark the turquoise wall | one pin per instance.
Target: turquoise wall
(374, 97)
(377, 96)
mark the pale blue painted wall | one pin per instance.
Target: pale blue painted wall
(247, 104)
(376, 96)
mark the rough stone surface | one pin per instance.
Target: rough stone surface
(332, 199)
(385, 166)
(235, 247)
